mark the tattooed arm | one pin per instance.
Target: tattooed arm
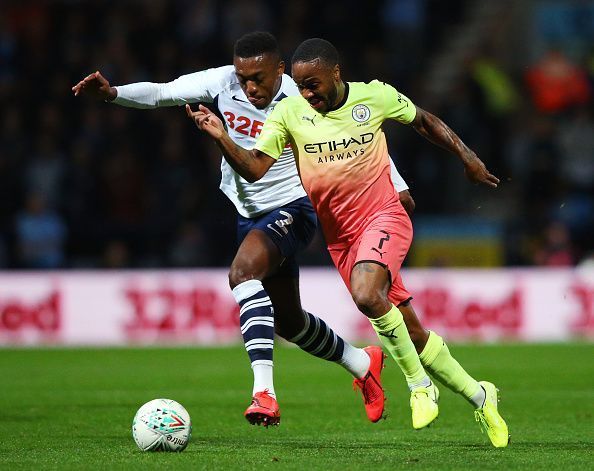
(250, 164)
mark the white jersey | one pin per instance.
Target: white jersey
(220, 86)
(281, 184)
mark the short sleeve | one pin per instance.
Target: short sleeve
(398, 106)
(274, 136)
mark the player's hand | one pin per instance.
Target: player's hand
(206, 121)
(96, 86)
(477, 172)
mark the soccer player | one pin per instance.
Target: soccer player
(335, 131)
(275, 219)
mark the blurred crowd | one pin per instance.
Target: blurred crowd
(86, 184)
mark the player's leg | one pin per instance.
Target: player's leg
(309, 332)
(370, 283)
(267, 241)
(291, 233)
(368, 271)
(439, 362)
(252, 263)
(314, 336)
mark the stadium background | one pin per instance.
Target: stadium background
(88, 189)
(117, 188)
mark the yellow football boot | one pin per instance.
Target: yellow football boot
(489, 418)
(423, 402)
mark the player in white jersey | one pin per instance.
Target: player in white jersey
(275, 218)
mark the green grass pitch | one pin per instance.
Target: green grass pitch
(73, 408)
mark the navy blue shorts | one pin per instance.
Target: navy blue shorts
(291, 228)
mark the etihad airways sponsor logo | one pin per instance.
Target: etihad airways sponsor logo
(343, 149)
(324, 159)
(344, 144)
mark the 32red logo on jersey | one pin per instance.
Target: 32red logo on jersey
(243, 124)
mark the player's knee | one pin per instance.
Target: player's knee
(240, 273)
(369, 301)
(407, 202)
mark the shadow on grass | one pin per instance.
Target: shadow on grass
(451, 445)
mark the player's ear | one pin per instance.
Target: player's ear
(336, 73)
(281, 67)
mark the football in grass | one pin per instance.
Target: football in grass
(162, 425)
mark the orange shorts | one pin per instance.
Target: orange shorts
(385, 240)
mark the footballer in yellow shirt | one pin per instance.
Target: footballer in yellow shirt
(340, 150)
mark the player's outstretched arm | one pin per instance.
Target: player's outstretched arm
(96, 86)
(189, 88)
(250, 164)
(435, 130)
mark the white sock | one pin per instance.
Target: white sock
(263, 377)
(355, 360)
(478, 398)
(425, 382)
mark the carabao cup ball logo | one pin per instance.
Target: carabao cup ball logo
(361, 113)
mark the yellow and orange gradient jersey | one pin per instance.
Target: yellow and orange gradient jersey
(341, 155)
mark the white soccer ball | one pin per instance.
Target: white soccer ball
(162, 425)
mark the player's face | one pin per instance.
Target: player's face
(259, 77)
(318, 83)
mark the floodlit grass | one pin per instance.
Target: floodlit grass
(72, 409)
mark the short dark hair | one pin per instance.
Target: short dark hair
(255, 44)
(316, 48)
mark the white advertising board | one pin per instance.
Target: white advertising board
(196, 307)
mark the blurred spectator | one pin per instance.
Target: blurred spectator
(123, 189)
(240, 17)
(539, 171)
(45, 171)
(498, 100)
(404, 24)
(555, 249)
(576, 141)
(576, 212)
(557, 84)
(198, 20)
(40, 235)
(116, 255)
(498, 91)
(189, 249)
